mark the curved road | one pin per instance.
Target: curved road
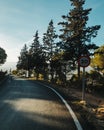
(26, 105)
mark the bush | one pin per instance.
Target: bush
(2, 75)
(95, 81)
(14, 72)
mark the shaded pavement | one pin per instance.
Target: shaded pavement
(25, 105)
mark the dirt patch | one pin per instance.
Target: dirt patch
(90, 112)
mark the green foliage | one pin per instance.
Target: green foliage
(23, 59)
(95, 76)
(95, 82)
(37, 57)
(57, 58)
(97, 61)
(2, 75)
(50, 47)
(14, 72)
(3, 56)
(32, 59)
(75, 33)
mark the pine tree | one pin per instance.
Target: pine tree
(35, 47)
(36, 56)
(76, 35)
(49, 44)
(34, 50)
(23, 59)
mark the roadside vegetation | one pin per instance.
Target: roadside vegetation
(3, 57)
(54, 59)
(2, 75)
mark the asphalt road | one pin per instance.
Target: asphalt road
(26, 105)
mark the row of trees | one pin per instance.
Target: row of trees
(58, 54)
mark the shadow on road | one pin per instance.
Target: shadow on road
(25, 105)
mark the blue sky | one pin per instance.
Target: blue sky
(19, 20)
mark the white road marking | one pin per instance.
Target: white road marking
(77, 123)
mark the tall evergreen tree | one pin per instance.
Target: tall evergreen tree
(35, 47)
(34, 50)
(36, 55)
(76, 35)
(49, 44)
(23, 59)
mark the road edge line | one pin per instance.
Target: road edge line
(75, 119)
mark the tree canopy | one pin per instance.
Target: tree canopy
(76, 35)
(98, 59)
(23, 61)
(3, 56)
(57, 54)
